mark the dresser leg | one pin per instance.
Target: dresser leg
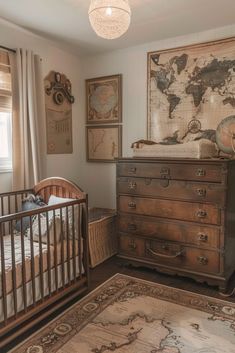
(223, 289)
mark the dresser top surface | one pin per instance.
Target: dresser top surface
(176, 160)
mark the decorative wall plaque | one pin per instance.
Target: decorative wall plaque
(59, 100)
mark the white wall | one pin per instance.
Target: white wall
(98, 179)
(56, 59)
(132, 64)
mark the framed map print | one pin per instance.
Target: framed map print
(104, 100)
(190, 91)
(103, 143)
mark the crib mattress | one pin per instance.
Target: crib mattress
(56, 249)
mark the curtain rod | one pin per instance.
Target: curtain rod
(8, 49)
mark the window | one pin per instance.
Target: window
(5, 114)
(5, 138)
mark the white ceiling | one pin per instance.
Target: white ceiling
(66, 21)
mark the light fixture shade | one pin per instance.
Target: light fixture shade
(110, 19)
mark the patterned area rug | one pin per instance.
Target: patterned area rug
(129, 315)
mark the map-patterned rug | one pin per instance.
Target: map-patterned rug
(129, 315)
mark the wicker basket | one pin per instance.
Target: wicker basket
(102, 235)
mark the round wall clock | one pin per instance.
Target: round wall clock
(225, 135)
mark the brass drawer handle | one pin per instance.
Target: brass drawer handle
(203, 237)
(200, 172)
(173, 256)
(132, 170)
(132, 205)
(201, 214)
(131, 226)
(202, 260)
(132, 245)
(132, 185)
(201, 192)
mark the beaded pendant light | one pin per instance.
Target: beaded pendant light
(110, 19)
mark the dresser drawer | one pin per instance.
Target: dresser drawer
(192, 258)
(131, 246)
(170, 254)
(179, 171)
(187, 211)
(173, 189)
(183, 232)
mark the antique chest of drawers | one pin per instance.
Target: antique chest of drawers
(178, 216)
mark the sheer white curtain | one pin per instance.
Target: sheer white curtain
(28, 118)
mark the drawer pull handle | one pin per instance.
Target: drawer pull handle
(203, 237)
(132, 185)
(132, 205)
(132, 170)
(201, 192)
(173, 256)
(201, 214)
(200, 172)
(202, 260)
(132, 245)
(131, 227)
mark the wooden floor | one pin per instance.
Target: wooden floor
(114, 265)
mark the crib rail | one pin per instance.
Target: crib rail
(10, 202)
(44, 264)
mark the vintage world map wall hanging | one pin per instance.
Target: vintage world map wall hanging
(58, 100)
(190, 91)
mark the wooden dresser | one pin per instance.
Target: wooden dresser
(178, 216)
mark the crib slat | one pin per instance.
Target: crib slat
(68, 245)
(2, 206)
(40, 257)
(23, 266)
(13, 269)
(85, 254)
(9, 204)
(16, 203)
(73, 237)
(4, 292)
(80, 218)
(62, 245)
(53, 190)
(3, 214)
(32, 261)
(55, 253)
(48, 254)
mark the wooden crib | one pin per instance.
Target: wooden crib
(46, 266)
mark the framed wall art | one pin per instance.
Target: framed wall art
(190, 91)
(104, 100)
(103, 143)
